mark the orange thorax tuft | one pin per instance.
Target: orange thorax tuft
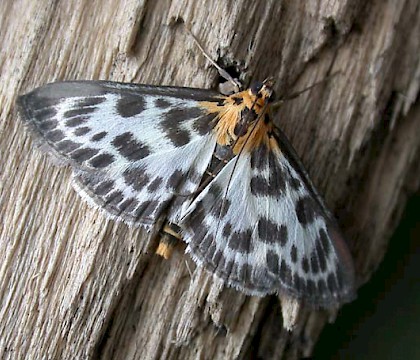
(242, 120)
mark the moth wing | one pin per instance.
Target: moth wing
(269, 233)
(131, 147)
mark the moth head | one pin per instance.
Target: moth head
(263, 89)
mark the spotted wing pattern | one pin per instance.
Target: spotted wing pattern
(132, 147)
(268, 232)
(140, 152)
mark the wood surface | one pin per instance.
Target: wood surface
(74, 285)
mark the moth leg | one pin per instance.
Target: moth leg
(169, 238)
(222, 72)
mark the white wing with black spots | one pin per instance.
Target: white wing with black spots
(268, 233)
(133, 148)
(139, 153)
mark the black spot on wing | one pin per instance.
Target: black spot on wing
(339, 274)
(98, 136)
(129, 147)
(106, 194)
(78, 113)
(314, 264)
(130, 105)
(293, 253)
(217, 257)
(123, 210)
(259, 185)
(295, 183)
(305, 210)
(205, 243)
(77, 121)
(331, 283)
(90, 101)
(220, 208)
(204, 124)
(150, 208)
(142, 208)
(102, 160)
(196, 221)
(40, 103)
(83, 154)
(285, 272)
(305, 264)
(172, 124)
(131, 206)
(211, 252)
(104, 187)
(272, 233)
(215, 192)
(241, 241)
(175, 179)
(226, 266)
(80, 131)
(310, 287)
(325, 242)
(227, 230)
(275, 185)
(136, 177)
(155, 184)
(180, 137)
(177, 114)
(273, 261)
(234, 270)
(318, 254)
(46, 112)
(162, 103)
(67, 146)
(55, 135)
(259, 158)
(298, 282)
(163, 205)
(47, 125)
(322, 286)
(245, 273)
(114, 198)
(126, 204)
(219, 260)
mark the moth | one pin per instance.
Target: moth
(215, 166)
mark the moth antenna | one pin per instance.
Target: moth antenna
(222, 72)
(275, 105)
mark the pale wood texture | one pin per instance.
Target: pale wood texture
(74, 285)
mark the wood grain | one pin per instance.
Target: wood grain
(74, 285)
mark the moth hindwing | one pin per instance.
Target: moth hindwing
(216, 166)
